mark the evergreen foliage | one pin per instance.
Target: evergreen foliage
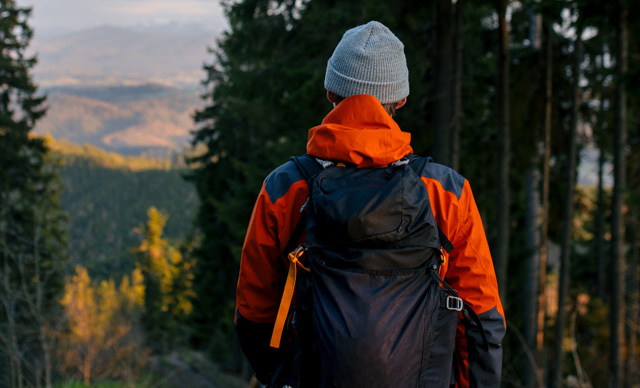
(107, 195)
(32, 226)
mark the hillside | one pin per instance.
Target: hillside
(106, 196)
(147, 119)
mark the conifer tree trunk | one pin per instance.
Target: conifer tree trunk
(442, 116)
(600, 205)
(599, 228)
(616, 361)
(532, 244)
(544, 227)
(633, 374)
(501, 251)
(457, 88)
(533, 270)
(565, 256)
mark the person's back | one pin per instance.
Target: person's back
(367, 80)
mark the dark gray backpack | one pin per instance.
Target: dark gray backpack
(372, 311)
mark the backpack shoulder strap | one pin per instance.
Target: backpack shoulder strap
(307, 165)
(309, 168)
(419, 165)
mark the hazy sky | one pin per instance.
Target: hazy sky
(61, 16)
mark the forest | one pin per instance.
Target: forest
(512, 94)
(107, 195)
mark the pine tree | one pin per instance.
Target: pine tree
(249, 125)
(32, 234)
(168, 287)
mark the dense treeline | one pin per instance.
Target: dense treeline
(107, 195)
(508, 92)
(86, 154)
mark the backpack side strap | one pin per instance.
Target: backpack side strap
(467, 310)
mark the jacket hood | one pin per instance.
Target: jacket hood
(359, 131)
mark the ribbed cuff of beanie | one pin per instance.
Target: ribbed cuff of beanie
(345, 86)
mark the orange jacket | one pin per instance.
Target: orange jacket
(360, 132)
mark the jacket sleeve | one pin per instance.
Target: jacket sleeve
(263, 271)
(257, 290)
(470, 271)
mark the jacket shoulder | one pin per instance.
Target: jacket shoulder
(449, 179)
(281, 179)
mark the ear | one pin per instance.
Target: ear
(332, 97)
(401, 103)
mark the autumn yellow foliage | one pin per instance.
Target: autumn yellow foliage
(168, 279)
(163, 262)
(102, 341)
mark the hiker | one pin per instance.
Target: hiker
(367, 81)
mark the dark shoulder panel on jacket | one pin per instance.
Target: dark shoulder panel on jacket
(450, 179)
(280, 180)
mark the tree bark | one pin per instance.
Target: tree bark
(565, 256)
(600, 205)
(444, 43)
(616, 361)
(9, 335)
(544, 227)
(501, 256)
(532, 226)
(599, 228)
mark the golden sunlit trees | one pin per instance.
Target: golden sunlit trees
(168, 281)
(102, 340)
(107, 324)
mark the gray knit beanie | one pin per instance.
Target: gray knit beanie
(369, 60)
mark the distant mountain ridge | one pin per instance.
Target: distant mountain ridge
(108, 54)
(127, 90)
